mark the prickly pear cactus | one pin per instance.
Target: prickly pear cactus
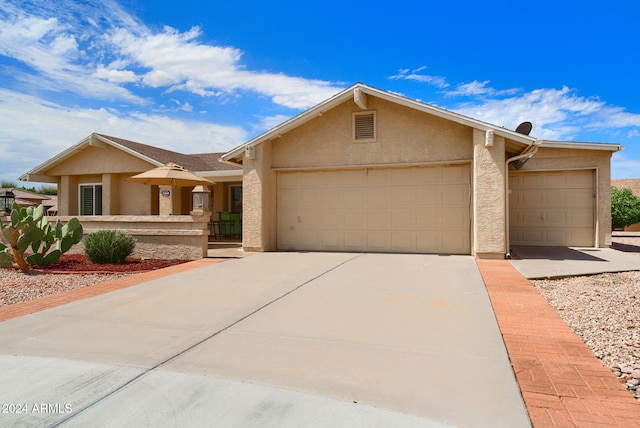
(29, 231)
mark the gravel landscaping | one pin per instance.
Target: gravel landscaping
(604, 311)
(16, 287)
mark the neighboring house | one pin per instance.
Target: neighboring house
(25, 198)
(91, 178)
(368, 170)
(632, 184)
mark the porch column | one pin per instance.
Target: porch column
(68, 196)
(489, 196)
(169, 200)
(110, 195)
(259, 193)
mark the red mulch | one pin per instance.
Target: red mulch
(76, 263)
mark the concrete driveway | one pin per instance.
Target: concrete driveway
(275, 339)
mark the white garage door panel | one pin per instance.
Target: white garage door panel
(417, 209)
(552, 208)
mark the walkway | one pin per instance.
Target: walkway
(562, 382)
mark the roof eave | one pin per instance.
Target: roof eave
(96, 140)
(584, 146)
(348, 93)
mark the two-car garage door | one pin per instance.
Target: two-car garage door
(422, 209)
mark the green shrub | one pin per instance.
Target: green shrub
(108, 246)
(625, 208)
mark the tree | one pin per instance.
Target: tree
(6, 184)
(625, 208)
(48, 189)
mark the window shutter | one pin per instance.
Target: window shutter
(86, 196)
(98, 199)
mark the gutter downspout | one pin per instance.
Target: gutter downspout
(526, 153)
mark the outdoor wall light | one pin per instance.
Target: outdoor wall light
(7, 198)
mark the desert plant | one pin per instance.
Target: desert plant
(108, 246)
(625, 208)
(29, 228)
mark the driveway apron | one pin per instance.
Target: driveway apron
(275, 339)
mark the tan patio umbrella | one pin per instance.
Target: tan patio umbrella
(167, 177)
(170, 175)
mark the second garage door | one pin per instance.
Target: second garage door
(412, 210)
(552, 208)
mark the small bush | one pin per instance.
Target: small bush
(108, 246)
(625, 208)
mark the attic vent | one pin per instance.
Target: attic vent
(364, 126)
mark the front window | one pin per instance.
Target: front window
(91, 199)
(235, 199)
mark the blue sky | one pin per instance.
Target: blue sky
(207, 75)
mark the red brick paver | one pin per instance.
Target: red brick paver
(29, 307)
(562, 382)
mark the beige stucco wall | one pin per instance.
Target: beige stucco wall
(104, 160)
(404, 135)
(489, 236)
(110, 167)
(120, 197)
(598, 160)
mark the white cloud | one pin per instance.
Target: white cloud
(114, 75)
(28, 143)
(477, 88)
(555, 113)
(270, 122)
(95, 49)
(406, 74)
(179, 62)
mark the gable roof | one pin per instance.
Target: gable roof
(154, 155)
(359, 92)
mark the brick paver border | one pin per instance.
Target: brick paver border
(562, 382)
(29, 307)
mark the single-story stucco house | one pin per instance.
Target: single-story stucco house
(632, 184)
(92, 178)
(368, 171)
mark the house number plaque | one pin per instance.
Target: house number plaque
(166, 193)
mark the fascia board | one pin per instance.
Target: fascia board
(348, 93)
(57, 158)
(292, 123)
(449, 115)
(84, 143)
(583, 146)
